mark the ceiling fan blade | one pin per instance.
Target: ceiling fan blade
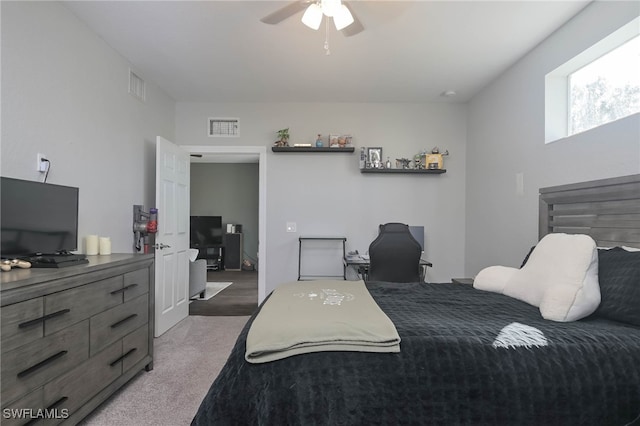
(285, 12)
(356, 27)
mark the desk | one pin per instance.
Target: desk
(361, 264)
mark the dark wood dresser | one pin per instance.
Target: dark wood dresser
(71, 337)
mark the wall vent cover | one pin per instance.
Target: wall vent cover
(224, 127)
(136, 86)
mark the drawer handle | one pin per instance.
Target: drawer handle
(122, 321)
(43, 318)
(57, 403)
(123, 289)
(41, 364)
(123, 357)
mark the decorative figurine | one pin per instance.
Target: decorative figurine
(417, 161)
(434, 161)
(402, 163)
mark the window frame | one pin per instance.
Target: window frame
(557, 82)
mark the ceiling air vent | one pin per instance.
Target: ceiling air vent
(224, 127)
(136, 86)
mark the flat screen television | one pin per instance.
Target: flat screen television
(37, 218)
(206, 231)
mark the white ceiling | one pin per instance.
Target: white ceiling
(410, 51)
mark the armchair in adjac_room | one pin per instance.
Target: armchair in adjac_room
(197, 274)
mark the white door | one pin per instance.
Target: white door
(172, 237)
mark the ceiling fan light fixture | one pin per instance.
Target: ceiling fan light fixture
(343, 18)
(312, 16)
(331, 7)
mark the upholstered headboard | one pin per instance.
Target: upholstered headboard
(608, 210)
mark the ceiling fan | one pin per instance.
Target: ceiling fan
(340, 11)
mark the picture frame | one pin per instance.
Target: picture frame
(333, 140)
(347, 140)
(374, 157)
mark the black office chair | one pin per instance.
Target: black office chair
(395, 255)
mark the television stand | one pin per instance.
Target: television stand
(214, 255)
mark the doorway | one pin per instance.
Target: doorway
(243, 154)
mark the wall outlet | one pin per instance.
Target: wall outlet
(42, 165)
(291, 227)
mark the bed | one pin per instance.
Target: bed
(455, 365)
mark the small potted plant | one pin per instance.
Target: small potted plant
(283, 137)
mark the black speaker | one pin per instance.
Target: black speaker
(233, 252)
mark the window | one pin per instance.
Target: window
(600, 85)
(606, 89)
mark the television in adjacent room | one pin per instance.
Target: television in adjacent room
(206, 231)
(37, 218)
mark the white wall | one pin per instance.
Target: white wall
(326, 195)
(506, 137)
(64, 94)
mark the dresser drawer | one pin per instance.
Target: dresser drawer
(71, 390)
(82, 302)
(19, 412)
(135, 346)
(136, 283)
(29, 366)
(22, 323)
(117, 322)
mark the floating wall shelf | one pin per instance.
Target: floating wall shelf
(309, 149)
(407, 171)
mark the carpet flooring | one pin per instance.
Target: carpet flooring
(239, 299)
(187, 359)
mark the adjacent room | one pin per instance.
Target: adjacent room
(197, 164)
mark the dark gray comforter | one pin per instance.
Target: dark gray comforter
(448, 372)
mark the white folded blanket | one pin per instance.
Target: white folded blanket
(314, 316)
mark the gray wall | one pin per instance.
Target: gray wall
(230, 191)
(506, 137)
(326, 195)
(64, 94)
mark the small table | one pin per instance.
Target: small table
(465, 281)
(361, 264)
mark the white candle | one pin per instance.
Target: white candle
(91, 243)
(105, 245)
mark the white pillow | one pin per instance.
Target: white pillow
(493, 278)
(560, 277)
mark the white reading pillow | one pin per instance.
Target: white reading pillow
(493, 278)
(560, 277)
